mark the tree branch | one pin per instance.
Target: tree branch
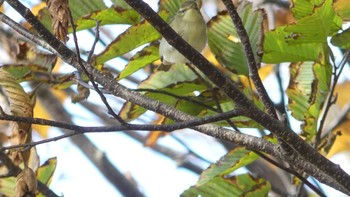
(91, 79)
(81, 129)
(333, 174)
(330, 95)
(252, 65)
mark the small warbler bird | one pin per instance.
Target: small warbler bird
(190, 25)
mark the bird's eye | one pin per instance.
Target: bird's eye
(181, 11)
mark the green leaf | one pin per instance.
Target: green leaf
(80, 8)
(171, 6)
(277, 49)
(39, 74)
(7, 186)
(113, 15)
(300, 88)
(226, 105)
(133, 37)
(142, 58)
(44, 174)
(242, 185)
(46, 171)
(236, 158)
(131, 111)
(303, 8)
(181, 89)
(315, 28)
(121, 3)
(21, 72)
(177, 73)
(342, 8)
(342, 39)
(45, 18)
(224, 41)
(307, 91)
(304, 40)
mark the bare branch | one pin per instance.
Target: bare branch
(103, 98)
(81, 129)
(330, 100)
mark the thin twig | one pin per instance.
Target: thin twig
(186, 98)
(291, 171)
(215, 98)
(103, 98)
(97, 38)
(330, 96)
(81, 129)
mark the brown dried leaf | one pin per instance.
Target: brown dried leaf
(26, 183)
(26, 53)
(20, 105)
(59, 11)
(83, 93)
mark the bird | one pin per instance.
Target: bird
(189, 23)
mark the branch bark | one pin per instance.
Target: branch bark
(309, 161)
(252, 64)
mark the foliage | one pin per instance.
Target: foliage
(307, 45)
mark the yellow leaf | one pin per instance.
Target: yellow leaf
(41, 112)
(38, 7)
(343, 93)
(341, 143)
(342, 8)
(263, 73)
(153, 136)
(210, 56)
(266, 71)
(57, 66)
(60, 95)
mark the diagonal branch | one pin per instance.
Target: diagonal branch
(340, 179)
(317, 165)
(102, 96)
(252, 65)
